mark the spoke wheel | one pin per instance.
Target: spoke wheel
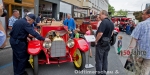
(79, 59)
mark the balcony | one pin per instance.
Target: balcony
(87, 5)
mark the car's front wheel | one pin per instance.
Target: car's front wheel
(35, 64)
(79, 59)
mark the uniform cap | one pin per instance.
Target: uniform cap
(29, 13)
(32, 16)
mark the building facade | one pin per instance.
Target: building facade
(83, 8)
(20, 5)
(147, 5)
(130, 15)
(79, 8)
(48, 8)
(98, 5)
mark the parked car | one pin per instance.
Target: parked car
(121, 22)
(94, 22)
(61, 49)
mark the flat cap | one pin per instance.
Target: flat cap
(32, 16)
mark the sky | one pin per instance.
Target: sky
(130, 5)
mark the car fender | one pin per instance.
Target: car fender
(34, 47)
(80, 44)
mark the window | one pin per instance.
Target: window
(18, 1)
(75, 14)
(79, 14)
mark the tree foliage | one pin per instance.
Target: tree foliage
(121, 13)
(111, 9)
(138, 15)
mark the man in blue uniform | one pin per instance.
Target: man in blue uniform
(18, 41)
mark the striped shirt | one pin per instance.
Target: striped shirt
(142, 34)
(12, 20)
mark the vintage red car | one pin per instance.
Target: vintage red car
(121, 21)
(92, 21)
(61, 49)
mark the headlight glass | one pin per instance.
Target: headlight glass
(47, 45)
(70, 43)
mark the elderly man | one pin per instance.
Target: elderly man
(2, 31)
(103, 36)
(71, 25)
(18, 41)
(13, 19)
(140, 36)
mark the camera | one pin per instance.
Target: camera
(4, 13)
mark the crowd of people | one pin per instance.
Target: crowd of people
(22, 28)
(130, 27)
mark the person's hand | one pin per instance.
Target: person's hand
(30, 36)
(28, 39)
(95, 42)
(128, 59)
(69, 32)
(47, 39)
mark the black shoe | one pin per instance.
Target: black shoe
(25, 73)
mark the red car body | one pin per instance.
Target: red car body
(83, 27)
(121, 22)
(94, 23)
(36, 48)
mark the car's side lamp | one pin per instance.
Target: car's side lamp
(70, 43)
(47, 45)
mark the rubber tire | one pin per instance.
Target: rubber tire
(83, 61)
(35, 64)
(113, 40)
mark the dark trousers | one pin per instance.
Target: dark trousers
(20, 56)
(101, 56)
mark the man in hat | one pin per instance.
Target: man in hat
(18, 41)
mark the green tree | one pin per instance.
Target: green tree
(121, 13)
(138, 15)
(111, 10)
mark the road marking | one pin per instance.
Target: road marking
(7, 65)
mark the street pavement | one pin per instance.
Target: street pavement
(115, 63)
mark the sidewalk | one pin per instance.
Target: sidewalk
(125, 41)
(8, 44)
(114, 63)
